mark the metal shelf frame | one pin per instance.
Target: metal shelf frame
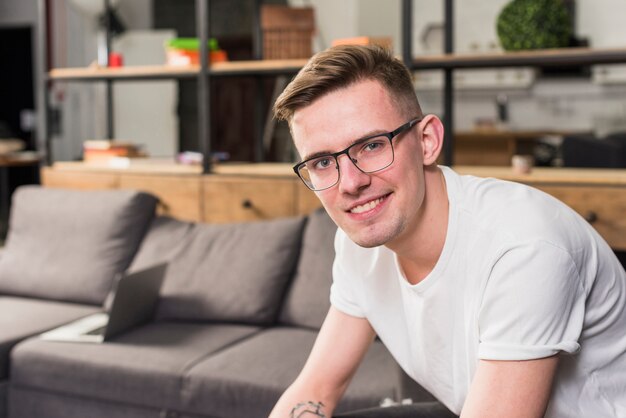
(203, 73)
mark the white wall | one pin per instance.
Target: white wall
(334, 19)
(74, 45)
(84, 104)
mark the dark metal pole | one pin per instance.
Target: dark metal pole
(259, 102)
(204, 84)
(109, 83)
(448, 94)
(407, 33)
(259, 120)
(257, 35)
(43, 134)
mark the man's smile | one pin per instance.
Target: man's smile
(368, 206)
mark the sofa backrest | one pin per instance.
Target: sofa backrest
(69, 245)
(230, 272)
(308, 298)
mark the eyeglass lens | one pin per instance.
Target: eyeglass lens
(371, 155)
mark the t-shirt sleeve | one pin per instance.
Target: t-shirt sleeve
(533, 305)
(343, 292)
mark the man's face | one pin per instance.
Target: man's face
(377, 208)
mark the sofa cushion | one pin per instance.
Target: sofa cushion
(247, 379)
(68, 245)
(142, 367)
(21, 318)
(4, 388)
(163, 242)
(27, 403)
(235, 272)
(308, 298)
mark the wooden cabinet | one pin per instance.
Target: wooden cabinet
(306, 200)
(248, 192)
(179, 195)
(235, 193)
(244, 192)
(83, 181)
(240, 198)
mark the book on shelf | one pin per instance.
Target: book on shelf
(105, 150)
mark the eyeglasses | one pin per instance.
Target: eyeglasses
(370, 154)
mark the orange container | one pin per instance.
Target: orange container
(182, 57)
(186, 51)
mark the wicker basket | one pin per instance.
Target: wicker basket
(287, 31)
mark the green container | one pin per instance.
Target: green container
(191, 44)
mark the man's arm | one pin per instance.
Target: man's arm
(512, 389)
(341, 344)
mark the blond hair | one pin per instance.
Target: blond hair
(342, 66)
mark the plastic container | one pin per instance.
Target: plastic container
(186, 51)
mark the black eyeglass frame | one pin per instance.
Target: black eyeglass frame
(390, 135)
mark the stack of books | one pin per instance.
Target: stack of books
(104, 150)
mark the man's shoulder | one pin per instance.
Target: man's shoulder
(518, 212)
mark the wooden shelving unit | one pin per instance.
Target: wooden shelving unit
(566, 57)
(202, 73)
(232, 68)
(448, 62)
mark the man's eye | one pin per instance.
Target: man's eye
(322, 163)
(373, 146)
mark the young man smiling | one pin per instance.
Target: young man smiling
(497, 298)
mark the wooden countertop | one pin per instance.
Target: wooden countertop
(544, 175)
(19, 159)
(616, 177)
(167, 166)
(498, 134)
(134, 166)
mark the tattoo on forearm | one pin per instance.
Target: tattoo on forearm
(308, 409)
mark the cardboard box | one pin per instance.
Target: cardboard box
(384, 41)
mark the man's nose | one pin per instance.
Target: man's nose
(351, 179)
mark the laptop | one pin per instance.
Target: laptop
(134, 302)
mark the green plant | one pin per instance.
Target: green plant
(534, 24)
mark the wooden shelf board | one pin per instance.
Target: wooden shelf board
(138, 166)
(539, 58)
(544, 175)
(134, 72)
(256, 169)
(169, 166)
(257, 67)
(547, 175)
(169, 71)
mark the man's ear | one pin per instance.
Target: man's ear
(432, 139)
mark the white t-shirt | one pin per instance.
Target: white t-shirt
(521, 276)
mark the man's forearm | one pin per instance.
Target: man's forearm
(308, 409)
(297, 404)
(339, 348)
(302, 409)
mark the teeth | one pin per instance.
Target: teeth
(368, 206)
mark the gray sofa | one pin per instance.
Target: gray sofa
(239, 311)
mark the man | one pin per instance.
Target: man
(495, 297)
